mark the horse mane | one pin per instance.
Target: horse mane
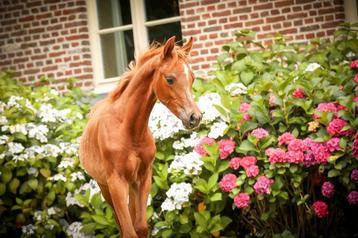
(154, 49)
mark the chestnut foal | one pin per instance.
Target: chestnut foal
(117, 148)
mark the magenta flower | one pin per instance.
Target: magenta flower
(276, 155)
(354, 64)
(245, 107)
(242, 200)
(326, 107)
(199, 148)
(259, 133)
(228, 182)
(298, 93)
(226, 147)
(353, 198)
(355, 99)
(320, 153)
(356, 78)
(252, 171)
(354, 175)
(247, 161)
(285, 138)
(262, 185)
(295, 157)
(335, 126)
(355, 147)
(320, 209)
(327, 189)
(333, 144)
(297, 145)
(246, 116)
(272, 100)
(235, 163)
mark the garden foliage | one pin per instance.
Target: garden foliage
(275, 156)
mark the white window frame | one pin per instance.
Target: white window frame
(140, 35)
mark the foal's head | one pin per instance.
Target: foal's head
(173, 81)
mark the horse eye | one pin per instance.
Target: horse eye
(170, 79)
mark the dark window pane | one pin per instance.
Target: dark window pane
(117, 52)
(158, 9)
(161, 33)
(113, 13)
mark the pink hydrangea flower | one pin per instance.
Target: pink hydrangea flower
(276, 155)
(262, 185)
(295, 157)
(228, 182)
(199, 148)
(245, 107)
(354, 175)
(226, 147)
(353, 198)
(247, 161)
(259, 133)
(298, 93)
(355, 147)
(356, 78)
(326, 107)
(246, 116)
(297, 145)
(235, 163)
(355, 99)
(321, 209)
(354, 64)
(242, 200)
(252, 171)
(320, 153)
(285, 138)
(327, 189)
(333, 144)
(335, 126)
(272, 100)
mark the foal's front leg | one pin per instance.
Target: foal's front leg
(140, 224)
(119, 188)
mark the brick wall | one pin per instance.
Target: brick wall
(213, 22)
(45, 38)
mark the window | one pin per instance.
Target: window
(121, 28)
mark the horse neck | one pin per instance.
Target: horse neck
(137, 101)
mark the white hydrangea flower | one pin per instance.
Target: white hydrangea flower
(236, 89)
(69, 148)
(29, 105)
(38, 215)
(49, 114)
(3, 139)
(15, 148)
(13, 102)
(66, 162)
(217, 129)
(54, 92)
(32, 171)
(18, 128)
(163, 123)
(312, 67)
(49, 226)
(177, 195)
(77, 176)
(74, 230)
(53, 211)
(58, 177)
(20, 157)
(37, 131)
(190, 142)
(205, 105)
(28, 229)
(189, 163)
(71, 200)
(3, 120)
(51, 150)
(350, 54)
(2, 106)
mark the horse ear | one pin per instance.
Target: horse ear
(168, 48)
(187, 47)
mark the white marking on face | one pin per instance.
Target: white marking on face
(186, 71)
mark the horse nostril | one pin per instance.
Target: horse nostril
(194, 119)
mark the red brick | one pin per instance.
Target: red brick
(275, 19)
(283, 3)
(263, 6)
(254, 23)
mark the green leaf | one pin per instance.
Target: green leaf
(163, 184)
(2, 189)
(33, 183)
(100, 220)
(6, 175)
(216, 197)
(212, 182)
(13, 185)
(245, 147)
(333, 173)
(246, 77)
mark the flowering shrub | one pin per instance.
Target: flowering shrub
(278, 145)
(39, 173)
